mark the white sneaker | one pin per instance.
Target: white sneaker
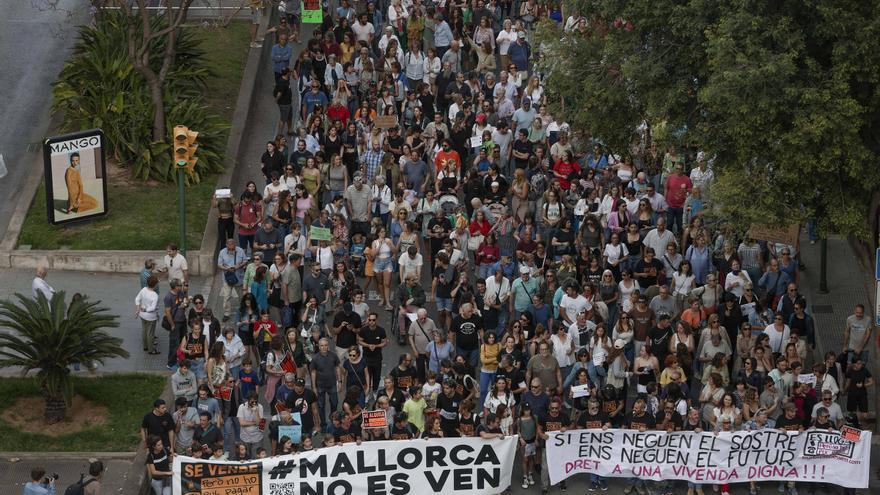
(525, 483)
(531, 480)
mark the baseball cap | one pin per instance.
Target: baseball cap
(524, 269)
(481, 117)
(299, 381)
(521, 35)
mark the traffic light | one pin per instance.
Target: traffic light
(185, 147)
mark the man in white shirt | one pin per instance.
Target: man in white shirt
(581, 331)
(658, 238)
(363, 30)
(175, 265)
(410, 264)
(657, 200)
(146, 307)
(497, 292)
(572, 304)
(40, 286)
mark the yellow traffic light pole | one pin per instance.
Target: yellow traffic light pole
(184, 150)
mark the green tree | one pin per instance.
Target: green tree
(785, 101)
(49, 336)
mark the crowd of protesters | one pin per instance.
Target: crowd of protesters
(519, 262)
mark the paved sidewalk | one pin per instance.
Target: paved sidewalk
(116, 292)
(849, 283)
(16, 474)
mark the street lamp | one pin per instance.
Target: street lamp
(184, 150)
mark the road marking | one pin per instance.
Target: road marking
(3, 169)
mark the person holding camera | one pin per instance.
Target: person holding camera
(40, 484)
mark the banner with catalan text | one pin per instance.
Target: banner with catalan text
(820, 456)
(445, 465)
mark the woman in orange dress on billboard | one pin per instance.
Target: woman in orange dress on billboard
(77, 200)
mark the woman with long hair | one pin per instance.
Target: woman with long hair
(216, 368)
(274, 371)
(384, 252)
(248, 312)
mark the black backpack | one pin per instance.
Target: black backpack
(78, 488)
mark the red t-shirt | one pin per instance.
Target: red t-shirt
(249, 214)
(447, 156)
(677, 188)
(565, 169)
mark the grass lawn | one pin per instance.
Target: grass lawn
(145, 215)
(127, 398)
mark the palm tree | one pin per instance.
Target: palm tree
(50, 336)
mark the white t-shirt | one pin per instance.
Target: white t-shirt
(324, 256)
(409, 265)
(573, 305)
(362, 32)
(176, 266)
(615, 253)
(504, 39)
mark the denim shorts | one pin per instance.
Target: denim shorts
(382, 265)
(444, 304)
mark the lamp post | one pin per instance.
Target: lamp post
(184, 160)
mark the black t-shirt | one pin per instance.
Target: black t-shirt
(302, 403)
(161, 461)
(660, 340)
(467, 425)
(516, 357)
(347, 435)
(520, 146)
(396, 143)
(346, 336)
(158, 425)
(644, 420)
(793, 424)
(483, 428)
(549, 422)
(208, 436)
(857, 376)
(440, 227)
(403, 378)
(446, 280)
(407, 432)
(663, 423)
(373, 337)
(608, 407)
(466, 331)
(283, 89)
(587, 420)
(652, 270)
(447, 409)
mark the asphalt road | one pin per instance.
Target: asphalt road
(34, 43)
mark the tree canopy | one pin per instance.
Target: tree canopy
(783, 95)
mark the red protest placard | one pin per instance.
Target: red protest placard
(850, 433)
(224, 393)
(287, 364)
(375, 419)
(279, 407)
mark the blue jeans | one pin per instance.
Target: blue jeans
(324, 393)
(597, 374)
(502, 323)
(486, 380)
(231, 432)
(471, 356)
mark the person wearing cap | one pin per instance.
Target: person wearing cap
(524, 115)
(521, 291)
(357, 202)
(520, 53)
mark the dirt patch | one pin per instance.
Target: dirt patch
(26, 414)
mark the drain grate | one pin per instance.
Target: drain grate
(823, 308)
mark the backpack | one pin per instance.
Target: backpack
(79, 487)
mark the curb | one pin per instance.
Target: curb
(240, 119)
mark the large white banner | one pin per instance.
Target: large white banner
(764, 455)
(449, 466)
